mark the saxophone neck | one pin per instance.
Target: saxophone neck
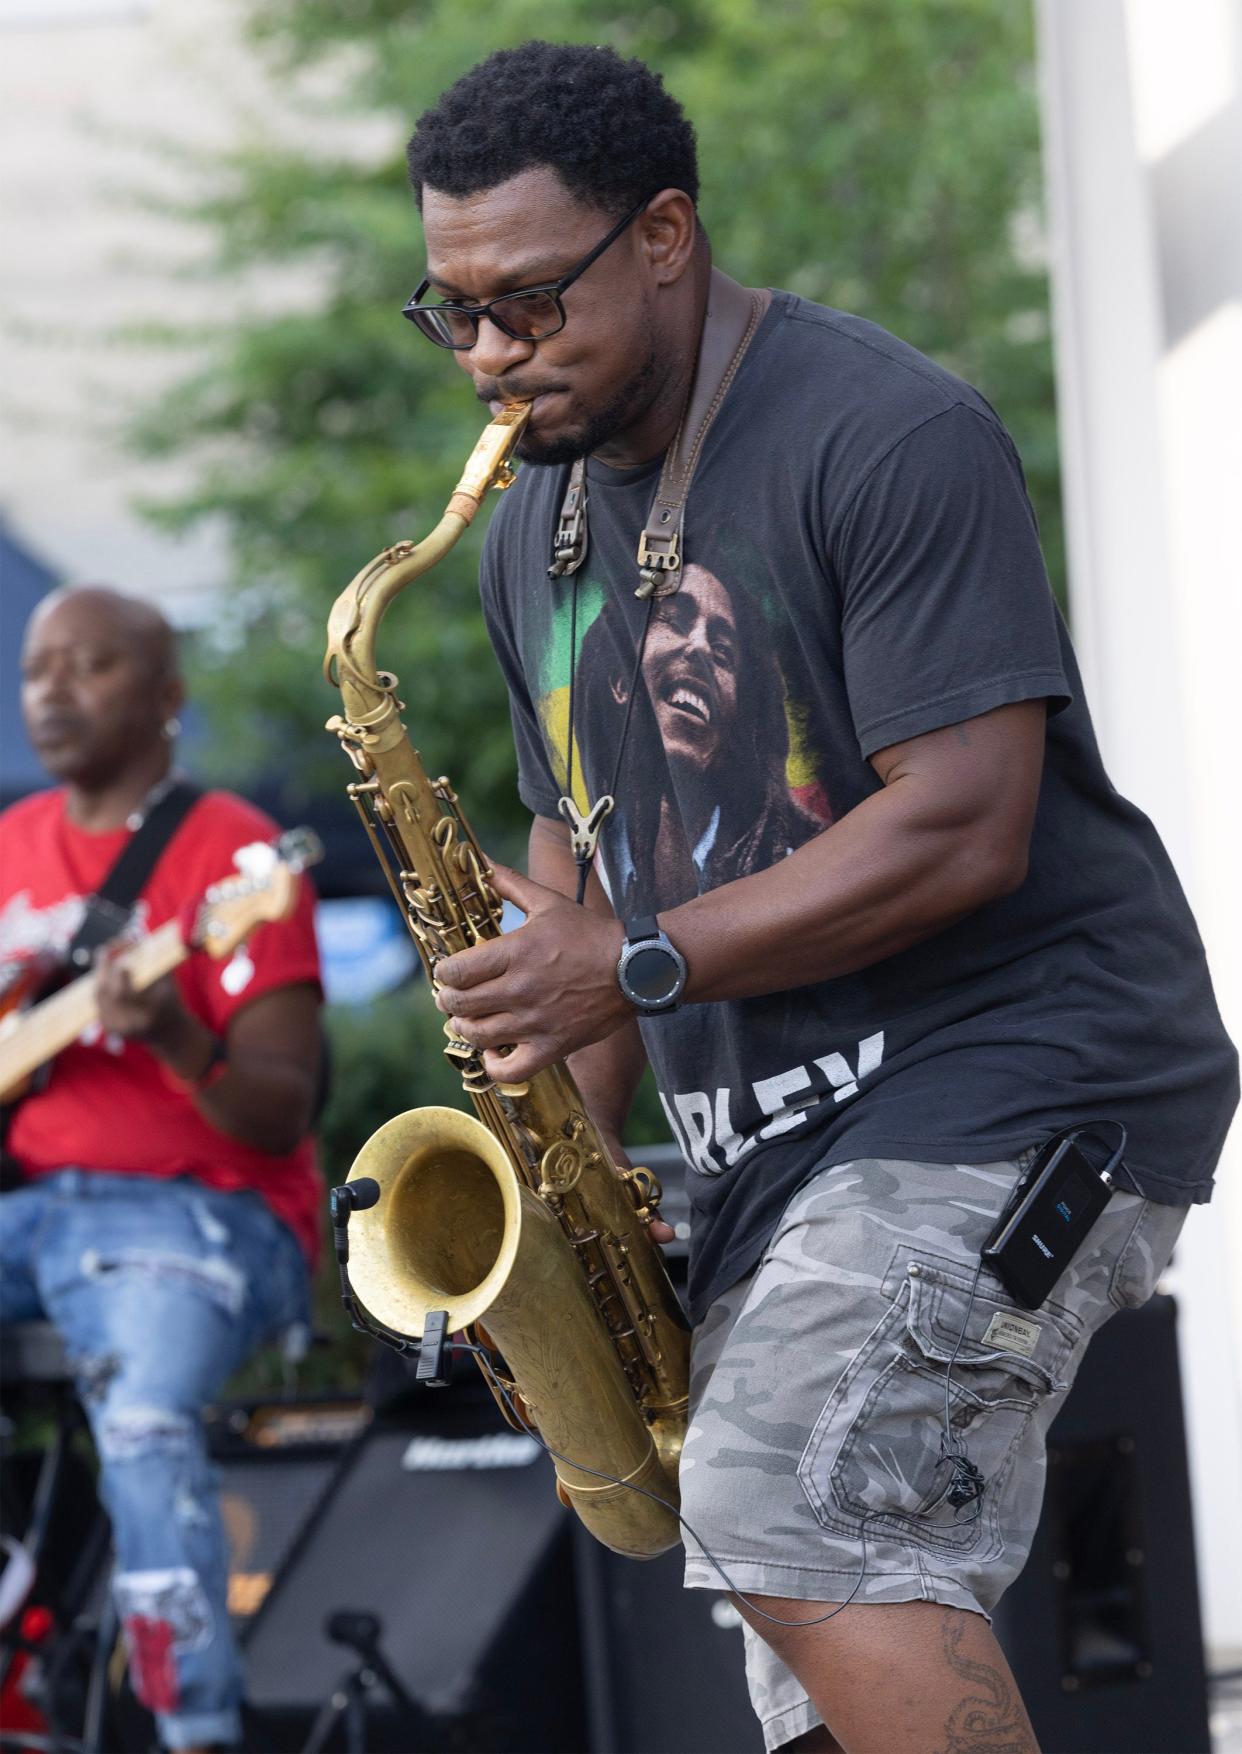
(353, 625)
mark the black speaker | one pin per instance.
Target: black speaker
(274, 1461)
(450, 1533)
(664, 1665)
(1102, 1627)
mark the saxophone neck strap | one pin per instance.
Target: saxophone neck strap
(732, 317)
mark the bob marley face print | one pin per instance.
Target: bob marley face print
(703, 794)
(690, 669)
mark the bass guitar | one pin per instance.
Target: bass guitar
(266, 888)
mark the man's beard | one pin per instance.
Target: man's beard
(599, 428)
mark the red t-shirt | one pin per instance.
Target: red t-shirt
(109, 1104)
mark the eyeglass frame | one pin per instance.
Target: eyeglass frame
(553, 288)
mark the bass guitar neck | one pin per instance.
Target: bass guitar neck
(33, 1037)
(266, 889)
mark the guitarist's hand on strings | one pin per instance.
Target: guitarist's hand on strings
(154, 1016)
(547, 988)
(265, 1094)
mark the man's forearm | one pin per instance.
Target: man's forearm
(264, 1103)
(261, 1097)
(262, 1100)
(868, 887)
(909, 861)
(948, 831)
(608, 1073)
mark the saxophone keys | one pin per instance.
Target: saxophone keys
(645, 1190)
(560, 1168)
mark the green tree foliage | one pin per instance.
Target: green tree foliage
(883, 159)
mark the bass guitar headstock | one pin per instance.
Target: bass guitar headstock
(265, 889)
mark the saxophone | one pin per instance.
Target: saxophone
(518, 1219)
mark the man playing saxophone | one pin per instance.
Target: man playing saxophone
(945, 940)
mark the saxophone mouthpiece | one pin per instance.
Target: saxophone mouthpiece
(488, 464)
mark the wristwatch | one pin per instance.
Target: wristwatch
(651, 972)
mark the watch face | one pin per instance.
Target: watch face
(651, 973)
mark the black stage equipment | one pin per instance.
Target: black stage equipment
(664, 1665)
(275, 1461)
(1102, 1628)
(348, 1703)
(448, 1535)
(58, 1678)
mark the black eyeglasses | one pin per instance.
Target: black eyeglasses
(531, 314)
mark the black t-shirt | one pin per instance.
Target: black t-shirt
(861, 567)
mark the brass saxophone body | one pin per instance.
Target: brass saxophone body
(517, 1223)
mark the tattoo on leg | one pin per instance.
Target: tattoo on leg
(989, 1720)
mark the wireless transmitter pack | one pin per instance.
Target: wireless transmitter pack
(1059, 1199)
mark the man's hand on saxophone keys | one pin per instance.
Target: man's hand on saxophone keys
(543, 990)
(659, 1230)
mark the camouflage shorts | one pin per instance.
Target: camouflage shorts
(818, 1395)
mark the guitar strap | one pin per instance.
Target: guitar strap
(108, 910)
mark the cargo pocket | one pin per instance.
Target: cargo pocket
(1145, 1253)
(876, 1447)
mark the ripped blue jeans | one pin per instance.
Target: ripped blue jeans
(160, 1289)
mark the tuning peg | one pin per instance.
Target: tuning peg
(300, 847)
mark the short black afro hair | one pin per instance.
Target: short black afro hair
(606, 126)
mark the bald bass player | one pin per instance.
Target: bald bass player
(166, 1214)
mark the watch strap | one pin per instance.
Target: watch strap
(638, 930)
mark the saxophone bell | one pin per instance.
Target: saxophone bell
(443, 1234)
(455, 1232)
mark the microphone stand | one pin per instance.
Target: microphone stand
(361, 1632)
